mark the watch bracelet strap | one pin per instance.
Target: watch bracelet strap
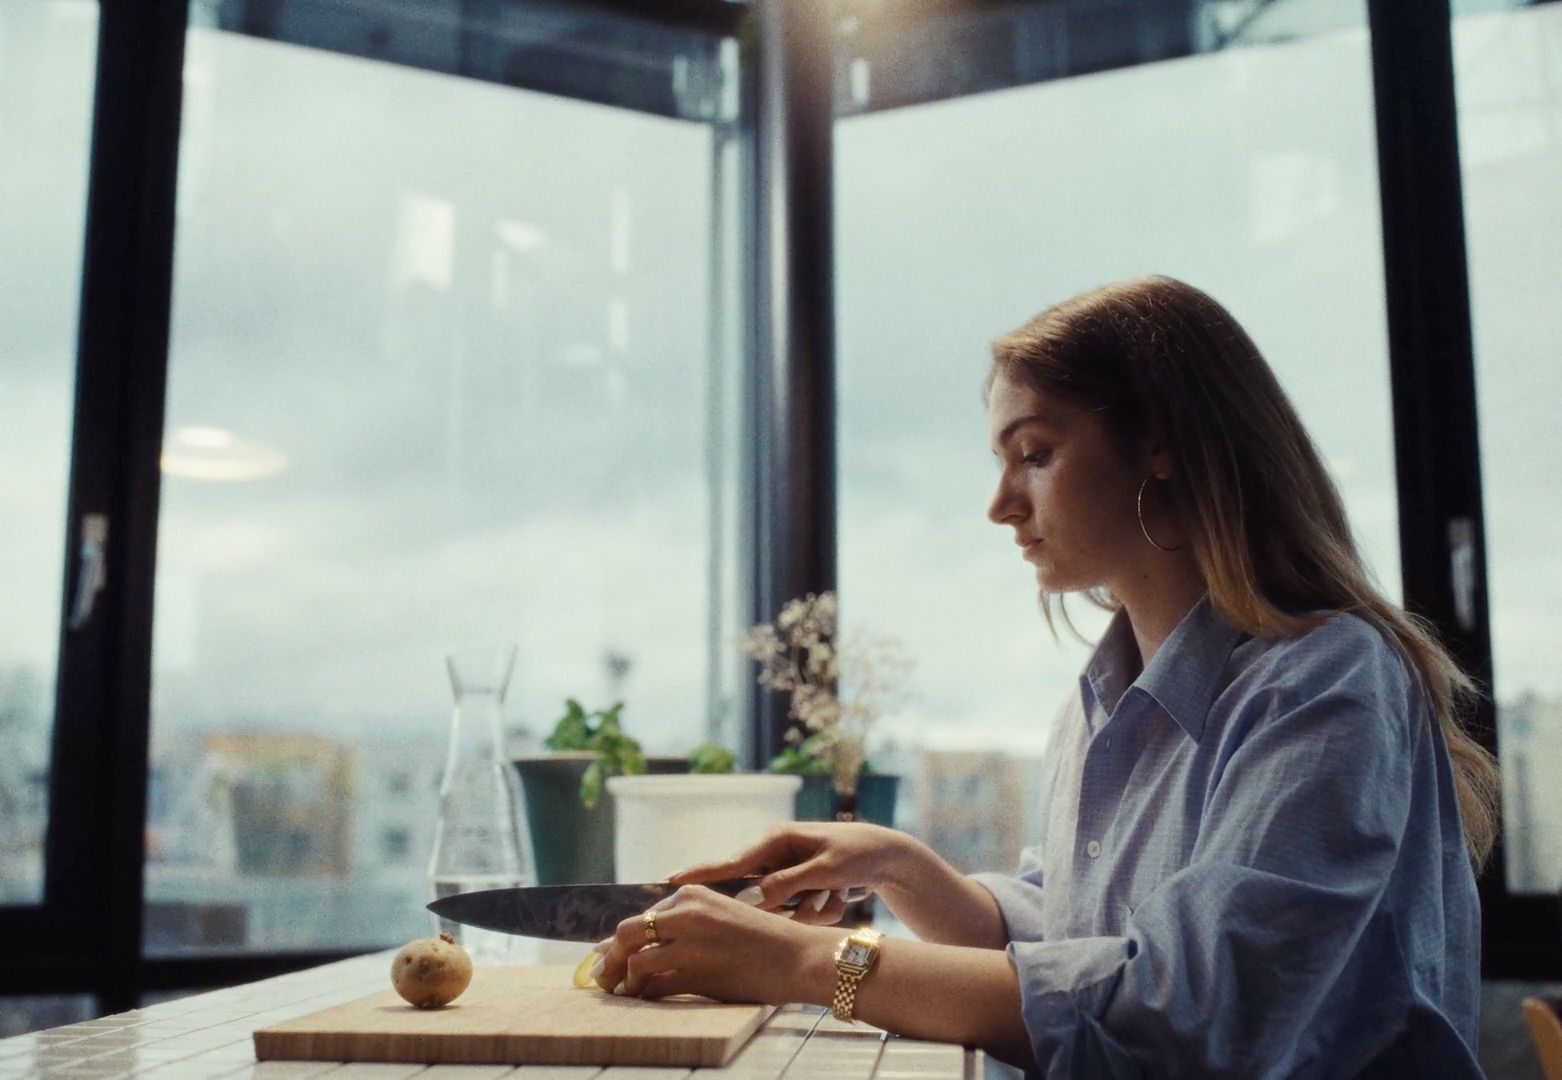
(845, 995)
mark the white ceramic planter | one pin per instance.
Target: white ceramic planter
(668, 823)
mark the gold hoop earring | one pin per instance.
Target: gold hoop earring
(1139, 505)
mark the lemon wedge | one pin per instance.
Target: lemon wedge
(583, 979)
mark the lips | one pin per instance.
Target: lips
(1027, 545)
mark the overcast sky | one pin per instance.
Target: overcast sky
(470, 327)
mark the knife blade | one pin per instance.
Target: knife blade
(577, 912)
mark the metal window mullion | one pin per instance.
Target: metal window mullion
(719, 17)
(1436, 425)
(95, 846)
(794, 418)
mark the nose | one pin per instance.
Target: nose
(1004, 508)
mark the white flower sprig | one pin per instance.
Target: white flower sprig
(840, 685)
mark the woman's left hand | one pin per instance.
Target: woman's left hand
(720, 948)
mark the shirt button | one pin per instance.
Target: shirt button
(1093, 849)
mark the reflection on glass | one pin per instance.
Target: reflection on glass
(440, 372)
(19, 1015)
(47, 57)
(1508, 72)
(1249, 172)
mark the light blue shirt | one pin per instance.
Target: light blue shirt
(1253, 866)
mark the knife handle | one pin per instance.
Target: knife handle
(848, 896)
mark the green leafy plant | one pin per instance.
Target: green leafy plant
(807, 759)
(802, 759)
(617, 753)
(710, 758)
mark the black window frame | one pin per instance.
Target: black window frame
(86, 934)
(1436, 425)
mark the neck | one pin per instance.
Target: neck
(1156, 602)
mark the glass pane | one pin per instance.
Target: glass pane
(20, 1015)
(1250, 172)
(1508, 71)
(48, 52)
(444, 371)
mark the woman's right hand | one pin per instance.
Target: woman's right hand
(819, 860)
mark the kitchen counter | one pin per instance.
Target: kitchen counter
(206, 1036)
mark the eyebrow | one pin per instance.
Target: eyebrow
(1014, 425)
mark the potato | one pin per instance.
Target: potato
(582, 978)
(431, 972)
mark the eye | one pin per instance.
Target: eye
(1037, 458)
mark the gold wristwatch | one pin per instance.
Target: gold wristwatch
(854, 958)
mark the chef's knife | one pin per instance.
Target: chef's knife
(578, 912)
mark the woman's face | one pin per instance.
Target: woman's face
(1064, 488)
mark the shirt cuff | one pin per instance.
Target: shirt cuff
(1019, 902)
(1062, 980)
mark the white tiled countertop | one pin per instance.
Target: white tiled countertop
(206, 1036)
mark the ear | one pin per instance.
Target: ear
(1156, 456)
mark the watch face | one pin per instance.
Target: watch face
(856, 954)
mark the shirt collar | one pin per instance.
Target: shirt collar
(1111, 667)
(1183, 675)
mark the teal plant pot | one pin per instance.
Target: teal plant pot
(816, 800)
(571, 844)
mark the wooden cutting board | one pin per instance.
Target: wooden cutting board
(519, 1016)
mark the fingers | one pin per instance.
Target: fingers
(810, 878)
(705, 944)
(629, 937)
(650, 961)
(712, 871)
(669, 984)
(599, 948)
(740, 865)
(827, 914)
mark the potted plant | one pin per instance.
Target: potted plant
(569, 811)
(817, 799)
(665, 823)
(839, 686)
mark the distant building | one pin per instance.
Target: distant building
(24, 784)
(1530, 737)
(291, 802)
(978, 809)
(271, 840)
(24, 812)
(395, 790)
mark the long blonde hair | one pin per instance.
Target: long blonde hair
(1265, 521)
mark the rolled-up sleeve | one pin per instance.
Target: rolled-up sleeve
(1223, 969)
(1019, 897)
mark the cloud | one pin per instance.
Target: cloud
(528, 463)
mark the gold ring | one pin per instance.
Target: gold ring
(649, 919)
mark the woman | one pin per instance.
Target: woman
(1263, 809)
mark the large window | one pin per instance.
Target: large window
(1508, 70)
(446, 369)
(1250, 172)
(459, 354)
(47, 54)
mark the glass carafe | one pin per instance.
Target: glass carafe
(479, 838)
